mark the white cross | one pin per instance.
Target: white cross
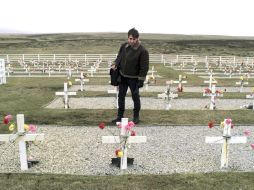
(66, 93)
(2, 72)
(213, 95)
(92, 70)
(82, 81)
(241, 83)
(211, 81)
(152, 71)
(119, 139)
(168, 95)
(116, 92)
(180, 82)
(69, 72)
(225, 140)
(21, 137)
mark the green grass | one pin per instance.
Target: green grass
(223, 181)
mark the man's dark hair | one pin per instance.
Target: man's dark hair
(133, 32)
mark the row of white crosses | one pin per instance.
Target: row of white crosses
(168, 95)
(22, 138)
(119, 139)
(116, 92)
(241, 83)
(225, 140)
(82, 81)
(66, 95)
(2, 72)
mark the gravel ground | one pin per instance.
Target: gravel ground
(158, 88)
(169, 149)
(148, 103)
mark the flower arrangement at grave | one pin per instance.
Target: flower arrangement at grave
(8, 122)
(211, 124)
(124, 138)
(228, 121)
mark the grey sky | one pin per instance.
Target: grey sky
(214, 17)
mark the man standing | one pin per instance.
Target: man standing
(133, 60)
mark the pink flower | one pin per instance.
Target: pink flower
(247, 132)
(129, 126)
(252, 146)
(228, 121)
(32, 128)
(7, 119)
(102, 125)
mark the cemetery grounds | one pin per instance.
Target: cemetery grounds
(31, 96)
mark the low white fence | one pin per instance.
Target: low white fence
(14, 58)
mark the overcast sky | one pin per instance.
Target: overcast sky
(213, 17)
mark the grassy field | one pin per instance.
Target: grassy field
(30, 95)
(213, 181)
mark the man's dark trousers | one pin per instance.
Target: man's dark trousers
(123, 87)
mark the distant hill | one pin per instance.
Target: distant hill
(101, 43)
(102, 35)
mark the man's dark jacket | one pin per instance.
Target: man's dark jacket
(134, 62)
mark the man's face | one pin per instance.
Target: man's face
(132, 41)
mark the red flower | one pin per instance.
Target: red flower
(252, 146)
(102, 125)
(211, 124)
(207, 91)
(117, 151)
(133, 133)
(180, 89)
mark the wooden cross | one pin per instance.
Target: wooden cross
(82, 81)
(2, 72)
(21, 137)
(225, 140)
(116, 92)
(121, 138)
(211, 81)
(66, 93)
(213, 95)
(180, 82)
(241, 83)
(168, 95)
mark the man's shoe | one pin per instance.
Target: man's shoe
(118, 119)
(136, 120)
